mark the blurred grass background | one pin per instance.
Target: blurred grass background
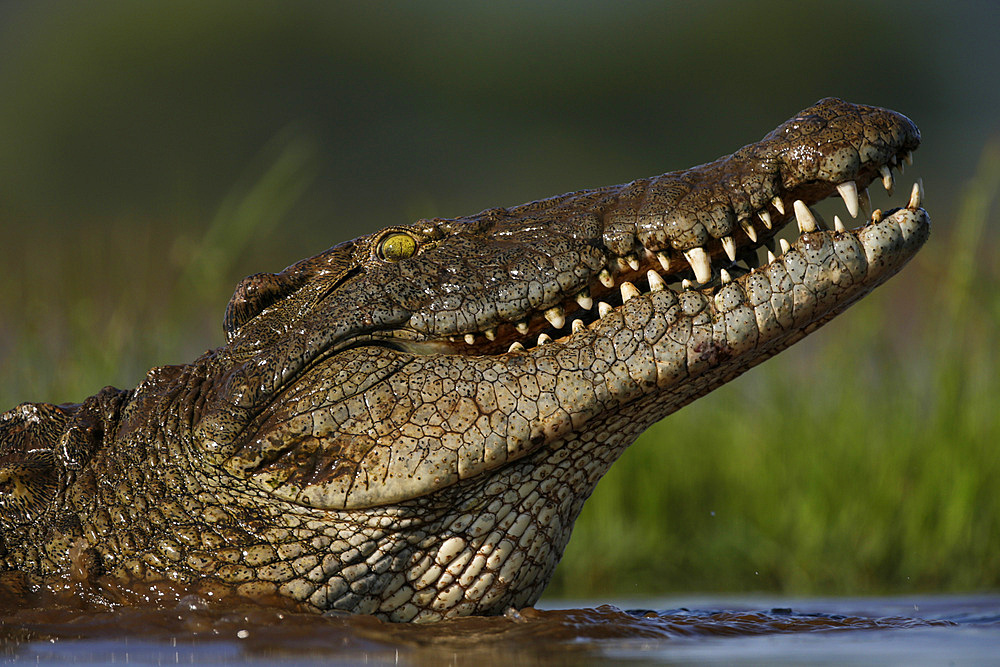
(152, 154)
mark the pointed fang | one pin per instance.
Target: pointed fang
(470, 338)
(725, 277)
(765, 217)
(556, 316)
(778, 205)
(544, 339)
(838, 225)
(491, 334)
(700, 263)
(629, 291)
(770, 257)
(522, 327)
(750, 231)
(516, 347)
(849, 193)
(605, 277)
(577, 326)
(664, 260)
(887, 182)
(604, 308)
(785, 247)
(729, 245)
(584, 299)
(656, 283)
(803, 216)
(916, 195)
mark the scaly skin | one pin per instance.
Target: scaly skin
(365, 441)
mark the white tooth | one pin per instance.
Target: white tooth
(886, 178)
(877, 215)
(605, 277)
(748, 228)
(544, 339)
(585, 300)
(778, 205)
(686, 284)
(785, 247)
(864, 200)
(699, 261)
(556, 316)
(603, 308)
(916, 195)
(522, 327)
(664, 260)
(838, 225)
(516, 347)
(725, 277)
(908, 158)
(803, 216)
(491, 334)
(656, 283)
(765, 217)
(632, 261)
(729, 245)
(849, 193)
(770, 257)
(629, 291)
(577, 326)
(470, 339)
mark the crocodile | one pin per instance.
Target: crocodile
(408, 423)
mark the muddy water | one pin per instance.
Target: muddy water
(946, 630)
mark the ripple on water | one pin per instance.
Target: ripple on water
(194, 630)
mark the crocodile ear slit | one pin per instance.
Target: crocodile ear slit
(253, 294)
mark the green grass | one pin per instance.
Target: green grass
(863, 460)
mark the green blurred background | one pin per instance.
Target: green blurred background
(153, 153)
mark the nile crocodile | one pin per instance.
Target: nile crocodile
(408, 423)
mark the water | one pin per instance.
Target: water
(928, 630)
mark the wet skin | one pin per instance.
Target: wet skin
(408, 423)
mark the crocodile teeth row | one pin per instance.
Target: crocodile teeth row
(700, 262)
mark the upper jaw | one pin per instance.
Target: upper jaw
(701, 226)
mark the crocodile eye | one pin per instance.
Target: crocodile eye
(397, 246)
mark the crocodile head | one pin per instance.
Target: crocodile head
(412, 420)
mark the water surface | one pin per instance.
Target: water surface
(742, 630)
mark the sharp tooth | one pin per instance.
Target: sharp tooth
(864, 200)
(629, 291)
(605, 277)
(583, 298)
(778, 205)
(765, 217)
(522, 327)
(908, 158)
(803, 216)
(838, 225)
(729, 245)
(785, 247)
(664, 260)
(516, 347)
(491, 334)
(770, 257)
(886, 178)
(916, 195)
(699, 261)
(748, 228)
(632, 261)
(877, 215)
(544, 339)
(577, 326)
(849, 193)
(470, 339)
(604, 309)
(686, 284)
(656, 283)
(725, 277)
(556, 316)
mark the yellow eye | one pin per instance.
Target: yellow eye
(397, 246)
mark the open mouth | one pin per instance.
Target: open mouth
(753, 245)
